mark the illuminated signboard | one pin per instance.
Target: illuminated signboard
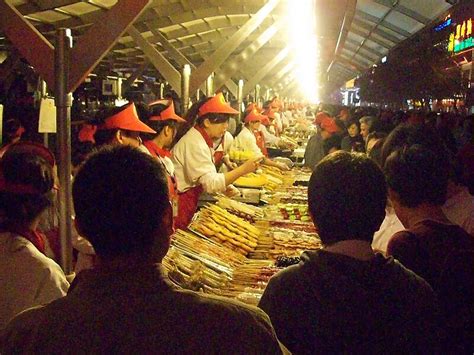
(462, 38)
(447, 22)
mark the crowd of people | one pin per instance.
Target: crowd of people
(390, 197)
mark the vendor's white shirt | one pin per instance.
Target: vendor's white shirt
(270, 139)
(28, 278)
(390, 225)
(278, 121)
(246, 140)
(194, 165)
(459, 209)
(228, 141)
(286, 118)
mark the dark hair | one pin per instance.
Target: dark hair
(352, 122)
(347, 195)
(407, 135)
(418, 174)
(112, 193)
(31, 170)
(143, 111)
(192, 118)
(104, 136)
(158, 126)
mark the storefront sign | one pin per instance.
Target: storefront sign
(447, 22)
(462, 38)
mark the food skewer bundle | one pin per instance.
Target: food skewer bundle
(193, 274)
(291, 243)
(205, 248)
(231, 231)
(250, 280)
(242, 210)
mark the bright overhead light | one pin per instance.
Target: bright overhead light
(304, 44)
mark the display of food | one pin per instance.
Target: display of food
(288, 212)
(242, 210)
(287, 242)
(223, 227)
(232, 248)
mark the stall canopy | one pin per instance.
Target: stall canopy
(235, 39)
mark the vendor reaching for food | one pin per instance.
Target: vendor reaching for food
(251, 139)
(193, 156)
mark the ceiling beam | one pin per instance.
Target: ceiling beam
(92, 47)
(265, 70)
(281, 73)
(135, 75)
(374, 19)
(289, 87)
(404, 10)
(365, 48)
(212, 63)
(43, 5)
(367, 26)
(345, 28)
(352, 48)
(157, 60)
(231, 67)
(174, 53)
(358, 68)
(368, 38)
(31, 44)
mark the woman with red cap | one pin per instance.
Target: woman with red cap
(251, 138)
(165, 122)
(120, 126)
(193, 156)
(28, 277)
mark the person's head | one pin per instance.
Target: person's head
(417, 168)
(416, 176)
(372, 139)
(353, 128)
(165, 122)
(120, 126)
(26, 183)
(405, 135)
(212, 114)
(365, 125)
(347, 195)
(328, 128)
(253, 120)
(112, 193)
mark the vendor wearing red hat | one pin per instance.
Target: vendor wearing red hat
(120, 126)
(272, 126)
(193, 156)
(251, 138)
(165, 122)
